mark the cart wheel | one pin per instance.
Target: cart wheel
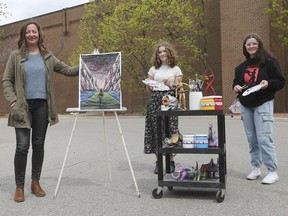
(220, 196)
(170, 188)
(155, 195)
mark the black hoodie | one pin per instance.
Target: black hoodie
(249, 73)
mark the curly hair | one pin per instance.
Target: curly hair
(22, 46)
(171, 55)
(262, 55)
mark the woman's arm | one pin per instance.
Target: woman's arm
(8, 80)
(149, 88)
(276, 80)
(171, 86)
(60, 67)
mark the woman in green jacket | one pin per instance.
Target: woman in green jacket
(28, 87)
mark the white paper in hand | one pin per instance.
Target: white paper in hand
(151, 83)
(252, 89)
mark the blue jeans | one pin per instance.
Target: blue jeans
(38, 113)
(258, 124)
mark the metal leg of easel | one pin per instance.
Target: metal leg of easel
(127, 154)
(67, 150)
(107, 150)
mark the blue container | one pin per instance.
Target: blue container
(201, 145)
(201, 141)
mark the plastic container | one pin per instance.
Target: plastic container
(188, 138)
(201, 145)
(201, 141)
(194, 100)
(211, 103)
(188, 145)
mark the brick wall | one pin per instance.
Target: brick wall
(229, 21)
(238, 18)
(212, 8)
(281, 54)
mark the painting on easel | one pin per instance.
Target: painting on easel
(99, 82)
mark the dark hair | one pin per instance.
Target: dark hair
(22, 46)
(262, 55)
(171, 55)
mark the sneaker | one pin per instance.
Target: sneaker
(256, 172)
(156, 168)
(270, 178)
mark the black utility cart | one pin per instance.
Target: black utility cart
(166, 180)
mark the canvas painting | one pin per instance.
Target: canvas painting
(99, 82)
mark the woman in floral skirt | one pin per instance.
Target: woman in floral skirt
(165, 72)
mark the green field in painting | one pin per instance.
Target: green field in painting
(108, 102)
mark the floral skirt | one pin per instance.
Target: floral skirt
(150, 136)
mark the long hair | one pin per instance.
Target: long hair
(262, 55)
(22, 46)
(171, 55)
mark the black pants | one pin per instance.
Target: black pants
(38, 113)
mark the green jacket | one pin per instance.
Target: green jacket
(14, 87)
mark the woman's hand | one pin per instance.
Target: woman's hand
(149, 88)
(167, 83)
(237, 89)
(264, 84)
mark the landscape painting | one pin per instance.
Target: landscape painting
(99, 82)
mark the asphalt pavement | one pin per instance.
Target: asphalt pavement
(97, 178)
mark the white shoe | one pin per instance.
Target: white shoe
(256, 172)
(270, 178)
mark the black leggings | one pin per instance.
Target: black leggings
(38, 114)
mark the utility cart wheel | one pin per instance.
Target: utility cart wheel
(157, 193)
(220, 196)
(170, 188)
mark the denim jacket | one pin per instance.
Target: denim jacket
(14, 87)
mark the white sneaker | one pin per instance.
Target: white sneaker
(256, 172)
(270, 178)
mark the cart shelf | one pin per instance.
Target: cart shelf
(181, 150)
(167, 180)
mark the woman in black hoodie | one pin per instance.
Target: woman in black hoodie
(260, 70)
